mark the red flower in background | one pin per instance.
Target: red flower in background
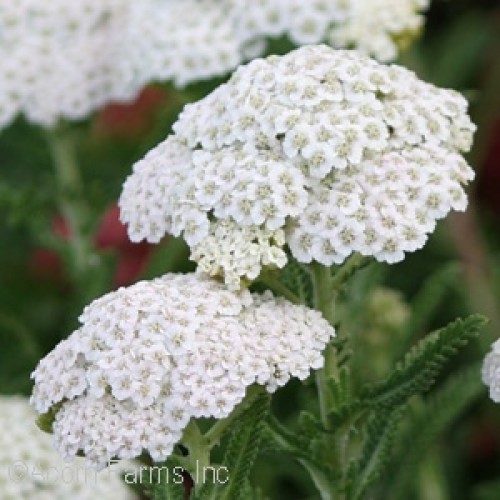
(132, 257)
(127, 121)
(121, 121)
(46, 263)
(489, 180)
(111, 235)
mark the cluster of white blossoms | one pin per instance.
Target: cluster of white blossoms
(65, 59)
(58, 58)
(375, 27)
(150, 357)
(379, 28)
(491, 371)
(30, 469)
(326, 151)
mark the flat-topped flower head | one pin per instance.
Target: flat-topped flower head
(376, 27)
(30, 469)
(65, 59)
(150, 357)
(379, 28)
(491, 371)
(327, 152)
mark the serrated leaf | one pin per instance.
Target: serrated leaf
(418, 370)
(241, 452)
(427, 300)
(162, 482)
(441, 409)
(297, 279)
(309, 426)
(380, 433)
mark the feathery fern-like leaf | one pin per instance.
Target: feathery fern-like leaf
(427, 300)
(297, 279)
(376, 453)
(241, 453)
(161, 485)
(440, 410)
(418, 370)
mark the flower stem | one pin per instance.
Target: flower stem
(196, 443)
(324, 301)
(71, 201)
(326, 290)
(278, 287)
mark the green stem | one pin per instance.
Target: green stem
(352, 264)
(278, 287)
(71, 200)
(326, 290)
(200, 445)
(196, 443)
(324, 298)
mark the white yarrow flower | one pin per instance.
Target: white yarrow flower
(491, 371)
(368, 168)
(64, 60)
(150, 357)
(31, 469)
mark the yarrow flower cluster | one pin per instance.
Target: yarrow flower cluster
(491, 371)
(328, 152)
(375, 27)
(379, 28)
(65, 59)
(150, 357)
(31, 469)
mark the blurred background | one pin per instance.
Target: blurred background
(458, 272)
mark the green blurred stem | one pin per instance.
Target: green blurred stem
(432, 483)
(473, 252)
(71, 202)
(326, 290)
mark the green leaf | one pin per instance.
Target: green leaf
(309, 426)
(163, 482)
(167, 491)
(380, 434)
(241, 452)
(297, 279)
(442, 408)
(420, 367)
